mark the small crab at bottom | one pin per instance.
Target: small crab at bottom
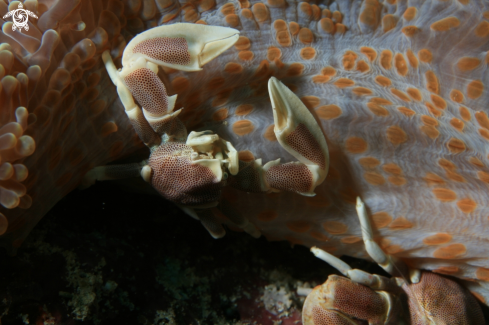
(411, 296)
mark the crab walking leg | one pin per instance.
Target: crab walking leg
(390, 264)
(299, 133)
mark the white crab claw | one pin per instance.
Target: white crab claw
(182, 46)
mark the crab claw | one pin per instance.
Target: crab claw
(299, 133)
(185, 47)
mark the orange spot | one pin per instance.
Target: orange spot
(350, 239)
(108, 128)
(294, 27)
(438, 101)
(468, 63)
(386, 59)
(437, 239)
(467, 205)
(397, 180)
(260, 11)
(276, 3)
(267, 215)
(355, 145)
(298, 226)
(273, 53)
(246, 55)
(370, 13)
(374, 178)
(305, 8)
(475, 161)
(430, 131)
(428, 120)
(180, 84)
(246, 155)
(447, 165)
(283, 38)
(246, 13)
(410, 13)
(327, 25)
(221, 98)
(482, 274)
(380, 101)
(392, 169)
(484, 133)
(361, 91)
(425, 56)
(400, 223)
(306, 36)
(295, 69)
(335, 227)
(263, 70)
(433, 179)
(204, 5)
(475, 89)
(369, 162)
(450, 251)
(448, 270)
(388, 22)
(381, 219)
(321, 79)
(344, 82)
(444, 194)
(464, 113)
(454, 176)
(243, 43)
(432, 109)
(337, 16)
(308, 53)
(409, 31)
(406, 111)
(310, 101)
(279, 25)
(220, 114)
(362, 66)
(316, 12)
(456, 145)
(432, 82)
(456, 96)
(445, 24)
(383, 81)
(396, 135)
(270, 133)
(413, 61)
(227, 9)
(401, 95)
(483, 176)
(233, 68)
(400, 64)
(369, 52)
(457, 124)
(349, 60)
(328, 71)
(318, 235)
(482, 30)
(327, 13)
(377, 109)
(232, 20)
(243, 127)
(243, 109)
(414, 93)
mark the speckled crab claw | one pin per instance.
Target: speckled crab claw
(297, 132)
(409, 297)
